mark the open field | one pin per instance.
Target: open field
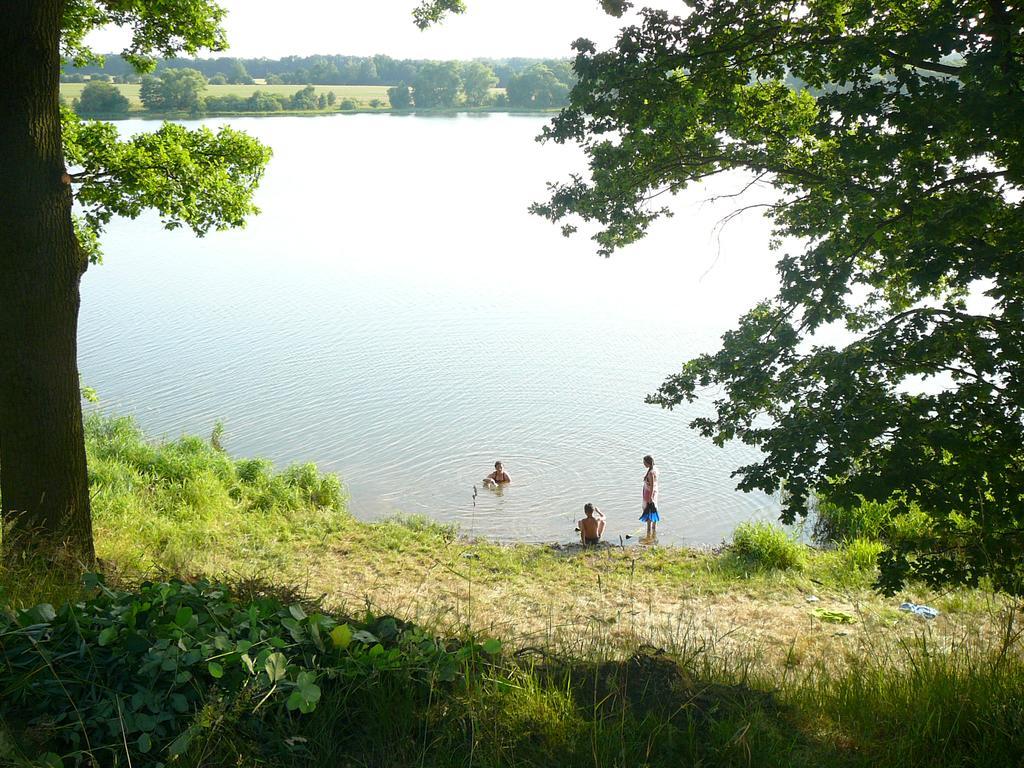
(618, 656)
(362, 94)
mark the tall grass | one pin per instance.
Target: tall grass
(866, 520)
(767, 546)
(927, 706)
(186, 507)
(837, 523)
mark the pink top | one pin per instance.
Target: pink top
(651, 487)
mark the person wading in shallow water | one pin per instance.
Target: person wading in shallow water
(498, 477)
(650, 499)
(592, 526)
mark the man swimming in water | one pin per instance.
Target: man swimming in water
(592, 526)
(498, 477)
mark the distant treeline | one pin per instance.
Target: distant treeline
(528, 84)
(311, 70)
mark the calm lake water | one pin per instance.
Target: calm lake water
(396, 316)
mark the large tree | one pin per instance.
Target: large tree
(173, 90)
(477, 81)
(193, 178)
(437, 84)
(100, 99)
(898, 165)
(536, 87)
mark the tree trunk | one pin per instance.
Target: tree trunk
(43, 481)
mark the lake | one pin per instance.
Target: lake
(396, 316)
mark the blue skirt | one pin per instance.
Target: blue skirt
(650, 514)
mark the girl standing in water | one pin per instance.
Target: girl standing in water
(650, 514)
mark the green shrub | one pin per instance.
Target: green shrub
(868, 521)
(348, 104)
(767, 546)
(100, 99)
(136, 677)
(253, 471)
(835, 523)
(912, 525)
(861, 554)
(323, 491)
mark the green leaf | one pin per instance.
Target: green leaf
(215, 669)
(492, 646)
(39, 614)
(386, 628)
(294, 629)
(183, 616)
(297, 612)
(91, 581)
(180, 745)
(51, 760)
(314, 632)
(107, 636)
(276, 667)
(144, 743)
(306, 693)
(341, 636)
(362, 636)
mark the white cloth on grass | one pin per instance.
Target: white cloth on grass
(921, 610)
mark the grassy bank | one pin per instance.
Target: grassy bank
(357, 99)
(361, 94)
(619, 656)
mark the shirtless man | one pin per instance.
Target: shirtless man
(592, 526)
(498, 477)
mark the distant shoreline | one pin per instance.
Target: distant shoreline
(350, 100)
(140, 115)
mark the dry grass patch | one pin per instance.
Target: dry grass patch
(567, 598)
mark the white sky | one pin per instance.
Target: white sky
(490, 28)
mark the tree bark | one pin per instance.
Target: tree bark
(43, 480)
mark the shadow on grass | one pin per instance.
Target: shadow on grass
(646, 710)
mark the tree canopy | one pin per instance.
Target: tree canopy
(539, 86)
(101, 100)
(164, 28)
(194, 178)
(899, 171)
(400, 96)
(437, 84)
(477, 81)
(173, 90)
